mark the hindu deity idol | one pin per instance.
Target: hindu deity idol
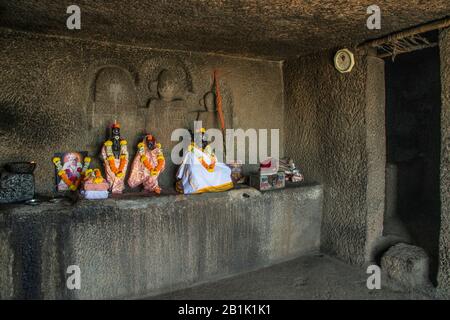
(200, 170)
(147, 165)
(70, 170)
(115, 158)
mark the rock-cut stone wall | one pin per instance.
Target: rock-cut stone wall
(444, 242)
(61, 95)
(335, 125)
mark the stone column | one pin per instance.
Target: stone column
(335, 132)
(444, 241)
(376, 152)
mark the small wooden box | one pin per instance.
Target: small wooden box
(268, 182)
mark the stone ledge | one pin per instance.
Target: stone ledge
(142, 246)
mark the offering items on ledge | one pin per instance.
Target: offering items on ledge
(115, 159)
(268, 177)
(265, 182)
(237, 174)
(94, 186)
(201, 172)
(293, 174)
(268, 167)
(147, 165)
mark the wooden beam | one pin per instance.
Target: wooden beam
(439, 24)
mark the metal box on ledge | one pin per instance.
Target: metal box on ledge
(268, 182)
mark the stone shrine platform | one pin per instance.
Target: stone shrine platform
(136, 246)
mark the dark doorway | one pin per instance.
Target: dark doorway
(413, 107)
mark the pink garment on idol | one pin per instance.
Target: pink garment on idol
(141, 175)
(89, 185)
(116, 185)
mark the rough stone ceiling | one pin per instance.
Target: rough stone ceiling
(270, 29)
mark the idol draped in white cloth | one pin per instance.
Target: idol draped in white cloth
(201, 172)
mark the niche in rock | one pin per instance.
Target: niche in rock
(114, 98)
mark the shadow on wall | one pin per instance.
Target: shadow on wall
(30, 125)
(10, 118)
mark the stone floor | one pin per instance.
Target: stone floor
(310, 277)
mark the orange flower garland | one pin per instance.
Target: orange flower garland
(98, 176)
(209, 167)
(161, 162)
(73, 186)
(111, 160)
(146, 162)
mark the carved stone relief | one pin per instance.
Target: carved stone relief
(167, 109)
(209, 116)
(157, 99)
(114, 98)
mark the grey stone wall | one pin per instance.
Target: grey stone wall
(444, 243)
(59, 94)
(148, 245)
(335, 132)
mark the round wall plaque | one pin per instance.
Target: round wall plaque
(344, 61)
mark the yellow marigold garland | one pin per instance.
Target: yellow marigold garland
(98, 176)
(96, 173)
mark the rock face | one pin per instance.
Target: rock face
(407, 264)
(444, 241)
(65, 94)
(278, 28)
(16, 187)
(340, 141)
(148, 245)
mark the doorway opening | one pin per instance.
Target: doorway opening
(413, 137)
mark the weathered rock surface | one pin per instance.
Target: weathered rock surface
(273, 29)
(407, 264)
(316, 277)
(65, 93)
(340, 142)
(444, 240)
(140, 246)
(16, 187)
